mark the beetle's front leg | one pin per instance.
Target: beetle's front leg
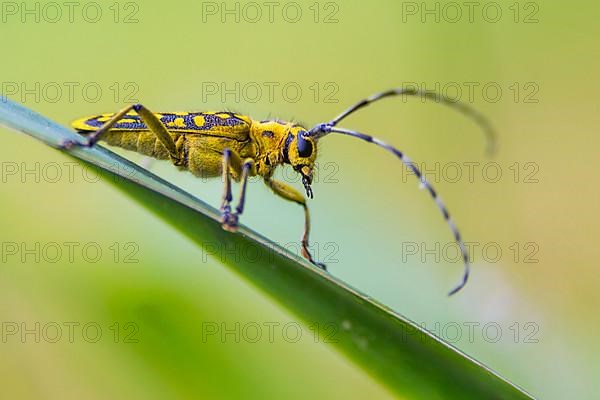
(291, 194)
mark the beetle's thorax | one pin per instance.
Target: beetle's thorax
(270, 136)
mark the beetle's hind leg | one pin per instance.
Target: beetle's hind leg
(243, 169)
(152, 122)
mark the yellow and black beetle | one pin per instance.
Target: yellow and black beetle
(212, 144)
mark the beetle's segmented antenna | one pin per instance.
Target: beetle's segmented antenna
(468, 111)
(324, 129)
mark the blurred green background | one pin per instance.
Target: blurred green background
(530, 312)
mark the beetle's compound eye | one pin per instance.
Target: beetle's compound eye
(305, 147)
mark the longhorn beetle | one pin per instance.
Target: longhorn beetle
(210, 144)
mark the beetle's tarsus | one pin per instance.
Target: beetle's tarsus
(68, 144)
(229, 220)
(306, 254)
(320, 265)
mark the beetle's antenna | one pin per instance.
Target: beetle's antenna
(324, 129)
(470, 112)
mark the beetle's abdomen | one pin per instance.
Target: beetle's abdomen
(145, 143)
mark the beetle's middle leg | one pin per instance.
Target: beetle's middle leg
(243, 169)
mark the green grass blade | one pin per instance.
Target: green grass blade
(409, 360)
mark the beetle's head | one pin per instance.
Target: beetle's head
(300, 151)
